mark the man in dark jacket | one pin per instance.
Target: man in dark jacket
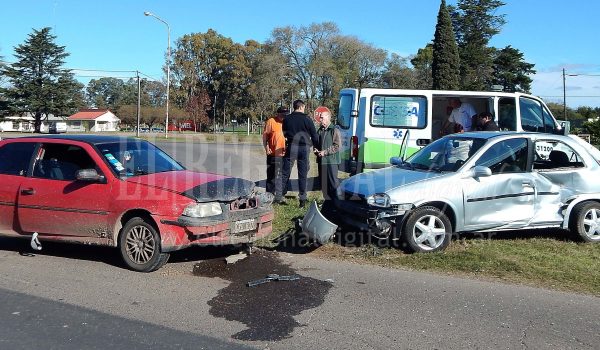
(300, 135)
(328, 155)
(485, 122)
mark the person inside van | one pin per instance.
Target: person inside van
(462, 114)
(485, 122)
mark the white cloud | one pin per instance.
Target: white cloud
(581, 90)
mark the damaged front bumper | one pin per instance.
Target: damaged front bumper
(357, 215)
(230, 227)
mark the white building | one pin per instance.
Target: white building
(95, 120)
(26, 123)
(19, 124)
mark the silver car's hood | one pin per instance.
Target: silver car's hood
(384, 180)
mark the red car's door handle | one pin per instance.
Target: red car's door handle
(28, 191)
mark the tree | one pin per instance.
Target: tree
(108, 93)
(214, 63)
(475, 23)
(356, 62)
(38, 83)
(398, 75)
(3, 101)
(308, 54)
(197, 107)
(423, 63)
(511, 71)
(445, 67)
(272, 81)
(593, 128)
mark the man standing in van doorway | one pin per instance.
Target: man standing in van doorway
(328, 155)
(300, 135)
(462, 113)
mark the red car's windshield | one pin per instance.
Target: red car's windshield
(135, 157)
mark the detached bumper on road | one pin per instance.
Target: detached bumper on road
(182, 232)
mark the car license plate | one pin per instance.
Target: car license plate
(243, 225)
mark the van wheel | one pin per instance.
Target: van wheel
(139, 245)
(427, 229)
(585, 221)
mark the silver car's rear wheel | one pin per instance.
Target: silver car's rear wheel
(139, 244)
(585, 221)
(427, 229)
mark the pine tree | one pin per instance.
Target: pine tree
(446, 62)
(38, 84)
(511, 71)
(475, 23)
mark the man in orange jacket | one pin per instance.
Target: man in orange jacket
(274, 144)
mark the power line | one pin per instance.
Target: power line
(148, 76)
(98, 70)
(568, 96)
(101, 70)
(101, 76)
(583, 75)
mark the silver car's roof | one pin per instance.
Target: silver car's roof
(509, 134)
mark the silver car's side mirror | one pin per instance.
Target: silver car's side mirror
(396, 161)
(480, 171)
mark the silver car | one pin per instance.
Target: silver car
(477, 182)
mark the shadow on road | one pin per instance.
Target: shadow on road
(109, 255)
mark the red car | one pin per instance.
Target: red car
(125, 193)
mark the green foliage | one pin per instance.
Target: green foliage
(511, 71)
(593, 128)
(197, 108)
(211, 62)
(38, 83)
(397, 74)
(475, 23)
(446, 62)
(423, 71)
(109, 93)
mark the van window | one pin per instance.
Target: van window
(399, 111)
(532, 115)
(345, 111)
(507, 114)
(549, 121)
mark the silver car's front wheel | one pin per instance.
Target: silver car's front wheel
(139, 245)
(427, 229)
(585, 221)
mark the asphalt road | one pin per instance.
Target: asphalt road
(242, 160)
(70, 296)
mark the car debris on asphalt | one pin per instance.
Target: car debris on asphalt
(232, 259)
(272, 277)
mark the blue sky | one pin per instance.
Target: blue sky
(115, 35)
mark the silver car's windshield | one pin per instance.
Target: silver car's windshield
(445, 154)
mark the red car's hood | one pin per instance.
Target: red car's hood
(203, 187)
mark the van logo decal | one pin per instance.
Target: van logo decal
(397, 133)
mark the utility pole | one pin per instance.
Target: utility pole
(137, 130)
(564, 96)
(215, 115)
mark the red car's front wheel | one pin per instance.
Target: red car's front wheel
(139, 244)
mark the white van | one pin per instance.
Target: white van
(374, 122)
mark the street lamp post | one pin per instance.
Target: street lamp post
(168, 66)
